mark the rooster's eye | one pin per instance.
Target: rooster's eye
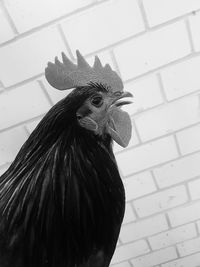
(97, 101)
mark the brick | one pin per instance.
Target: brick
(190, 261)
(194, 26)
(139, 185)
(123, 264)
(173, 236)
(129, 216)
(152, 50)
(33, 13)
(146, 94)
(101, 26)
(5, 28)
(133, 142)
(168, 118)
(161, 201)
(29, 55)
(147, 155)
(182, 78)
(154, 258)
(144, 228)
(168, 9)
(128, 251)
(10, 143)
(185, 214)
(189, 247)
(178, 171)
(189, 140)
(21, 104)
(194, 189)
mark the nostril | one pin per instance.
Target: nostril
(118, 93)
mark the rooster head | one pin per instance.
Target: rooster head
(101, 111)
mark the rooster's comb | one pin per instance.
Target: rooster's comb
(68, 75)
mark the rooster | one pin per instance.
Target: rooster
(62, 199)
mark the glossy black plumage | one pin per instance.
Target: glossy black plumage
(62, 199)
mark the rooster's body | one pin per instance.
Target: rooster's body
(62, 199)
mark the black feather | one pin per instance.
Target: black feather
(62, 199)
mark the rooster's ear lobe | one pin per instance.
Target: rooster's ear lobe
(88, 123)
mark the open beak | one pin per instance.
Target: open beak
(118, 102)
(119, 125)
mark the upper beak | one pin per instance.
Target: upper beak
(117, 102)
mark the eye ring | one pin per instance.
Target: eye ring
(97, 101)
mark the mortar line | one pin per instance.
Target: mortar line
(136, 131)
(161, 86)
(148, 243)
(143, 13)
(45, 92)
(60, 30)
(177, 251)
(134, 210)
(170, 227)
(155, 181)
(197, 228)
(112, 54)
(177, 144)
(188, 191)
(9, 18)
(188, 28)
(130, 263)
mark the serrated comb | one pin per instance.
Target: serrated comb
(66, 75)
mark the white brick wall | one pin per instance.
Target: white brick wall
(155, 258)
(154, 45)
(164, 10)
(173, 236)
(161, 201)
(152, 50)
(104, 25)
